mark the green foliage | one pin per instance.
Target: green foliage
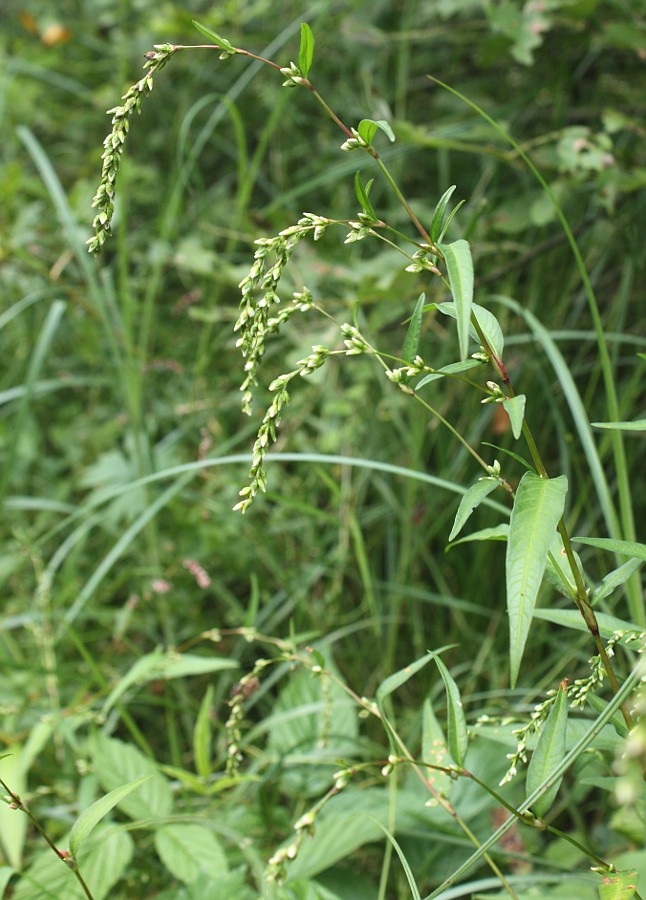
(199, 704)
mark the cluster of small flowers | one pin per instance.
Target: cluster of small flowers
(539, 715)
(255, 321)
(267, 431)
(354, 341)
(581, 687)
(244, 689)
(114, 144)
(360, 228)
(402, 375)
(356, 142)
(424, 260)
(294, 76)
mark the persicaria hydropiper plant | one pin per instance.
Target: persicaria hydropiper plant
(538, 542)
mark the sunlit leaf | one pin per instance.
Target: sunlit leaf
(306, 50)
(368, 129)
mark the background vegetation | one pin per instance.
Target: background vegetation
(118, 375)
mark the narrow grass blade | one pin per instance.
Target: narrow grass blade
(459, 267)
(90, 817)
(537, 509)
(549, 752)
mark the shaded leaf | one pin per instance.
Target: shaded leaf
(363, 193)
(438, 216)
(615, 579)
(549, 753)
(411, 343)
(448, 370)
(619, 885)
(538, 506)
(118, 763)
(457, 735)
(188, 850)
(572, 618)
(496, 533)
(435, 751)
(636, 425)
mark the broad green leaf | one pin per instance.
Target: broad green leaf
(615, 579)
(202, 735)
(187, 850)
(363, 195)
(538, 506)
(90, 817)
(619, 885)
(549, 753)
(636, 425)
(450, 369)
(117, 763)
(306, 50)
(102, 861)
(411, 343)
(368, 129)
(515, 409)
(621, 548)
(459, 267)
(222, 43)
(438, 216)
(470, 501)
(435, 751)
(165, 664)
(457, 735)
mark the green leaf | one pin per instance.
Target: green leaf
(615, 579)
(450, 369)
(391, 684)
(549, 753)
(470, 501)
(435, 751)
(363, 195)
(411, 342)
(188, 850)
(619, 885)
(515, 409)
(558, 571)
(458, 736)
(117, 763)
(621, 548)
(202, 735)
(368, 129)
(90, 817)
(222, 43)
(438, 216)
(459, 267)
(306, 50)
(165, 664)
(497, 533)
(13, 823)
(486, 320)
(538, 506)
(636, 425)
(572, 618)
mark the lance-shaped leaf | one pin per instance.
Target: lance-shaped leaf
(368, 129)
(222, 43)
(90, 817)
(459, 268)
(457, 734)
(435, 751)
(306, 51)
(615, 579)
(363, 195)
(619, 885)
(411, 343)
(621, 548)
(437, 225)
(472, 499)
(537, 509)
(515, 409)
(549, 754)
(392, 683)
